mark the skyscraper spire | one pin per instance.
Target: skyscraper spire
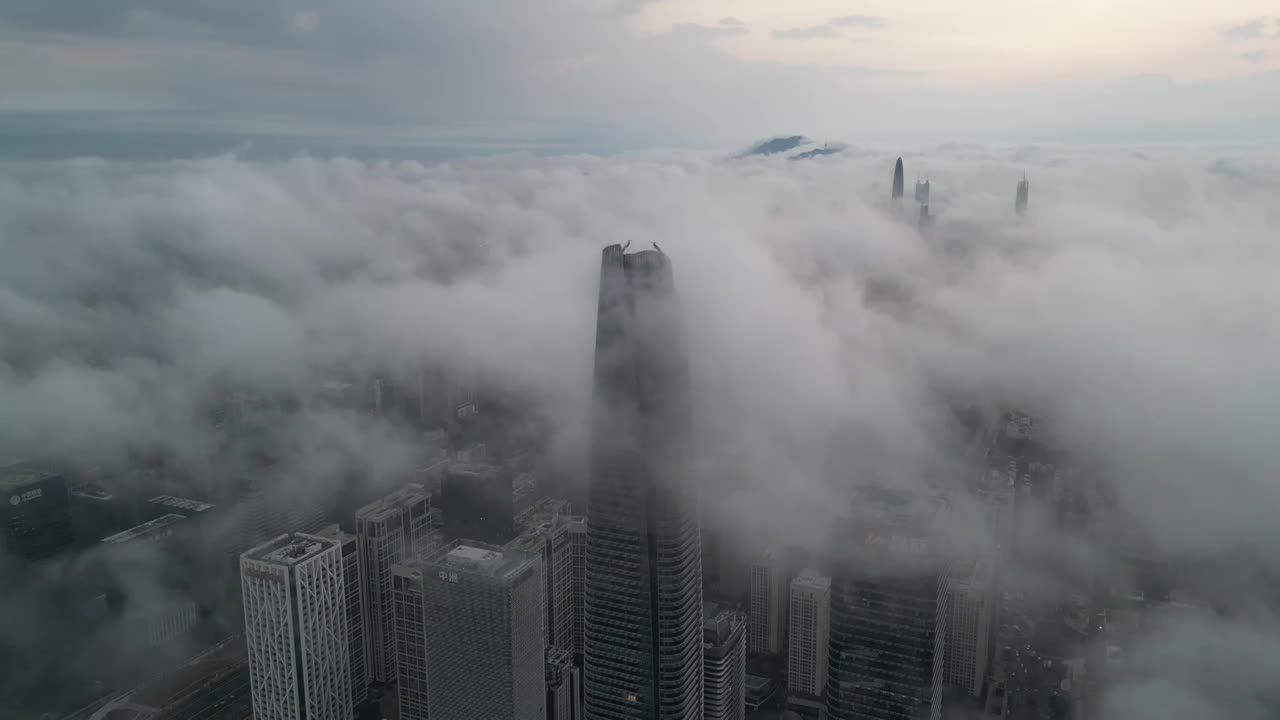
(897, 180)
(1024, 189)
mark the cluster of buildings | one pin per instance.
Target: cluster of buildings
(476, 594)
(1021, 196)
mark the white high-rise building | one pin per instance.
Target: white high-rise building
(767, 609)
(389, 531)
(971, 609)
(810, 632)
(355, 618)
(296, 629)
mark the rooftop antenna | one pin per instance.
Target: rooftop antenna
(624, 247)
(655, 247)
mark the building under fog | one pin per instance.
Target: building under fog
(35, 512)
(767, 608)
(810, 628)
(478, 501)
(1024, 192)
(899, 183)
(296, 629)
(545, 533)
(971, 610)
(888, 608)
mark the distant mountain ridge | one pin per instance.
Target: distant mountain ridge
(788, 143)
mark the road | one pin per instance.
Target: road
(226, 699)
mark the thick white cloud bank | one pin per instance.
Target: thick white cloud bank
(1133, 305)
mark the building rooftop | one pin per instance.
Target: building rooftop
(22, 474)
(290, 549)
(811, 578)
(477, 558)
(393, 504)
(193, 506)
(150, 530)
(971, 574)
(91, 491)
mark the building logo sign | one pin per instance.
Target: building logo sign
(450, 576)
(263, 575)
(24, 497)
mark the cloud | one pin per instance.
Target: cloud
(832, 27)
(1246, 31)
(727, 27)
(824, 30)
(873, 22)
(828, 339)
(1255, 57)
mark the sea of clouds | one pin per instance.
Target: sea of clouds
(1133, 307)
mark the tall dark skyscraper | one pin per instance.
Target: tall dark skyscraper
(643, 605)
(1024, 190)
(898, 182)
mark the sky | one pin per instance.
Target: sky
(606, 75)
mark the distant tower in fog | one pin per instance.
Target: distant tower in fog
(897, 180)
(1024, 189)
(922, 192)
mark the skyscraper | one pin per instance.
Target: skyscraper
(389, 531)
(922, 192)
(888, 609)
(898, 181)
(1024, 190)
(411, 640)
(643, 606)
(767, 608)
(295, 629)
(546, 534)
(355, 617)
(971, 609)
(810, 629)
(724, 668)
(578, 549)
(482, 621)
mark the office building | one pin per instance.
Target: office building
(888, 609)
(545, 533)
(35, 512)
(296, 629)
(767, 604)
(350, 547)
(971, 609)
(561, 678)
(478, 503)
(482, 626)
(643, 609)
(411, 640)
(724, 663)
(577, 527)
(899, 184)
(810, 629)
(388, 531)
(1024, 191)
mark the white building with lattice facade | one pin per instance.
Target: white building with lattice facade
(296, 629)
